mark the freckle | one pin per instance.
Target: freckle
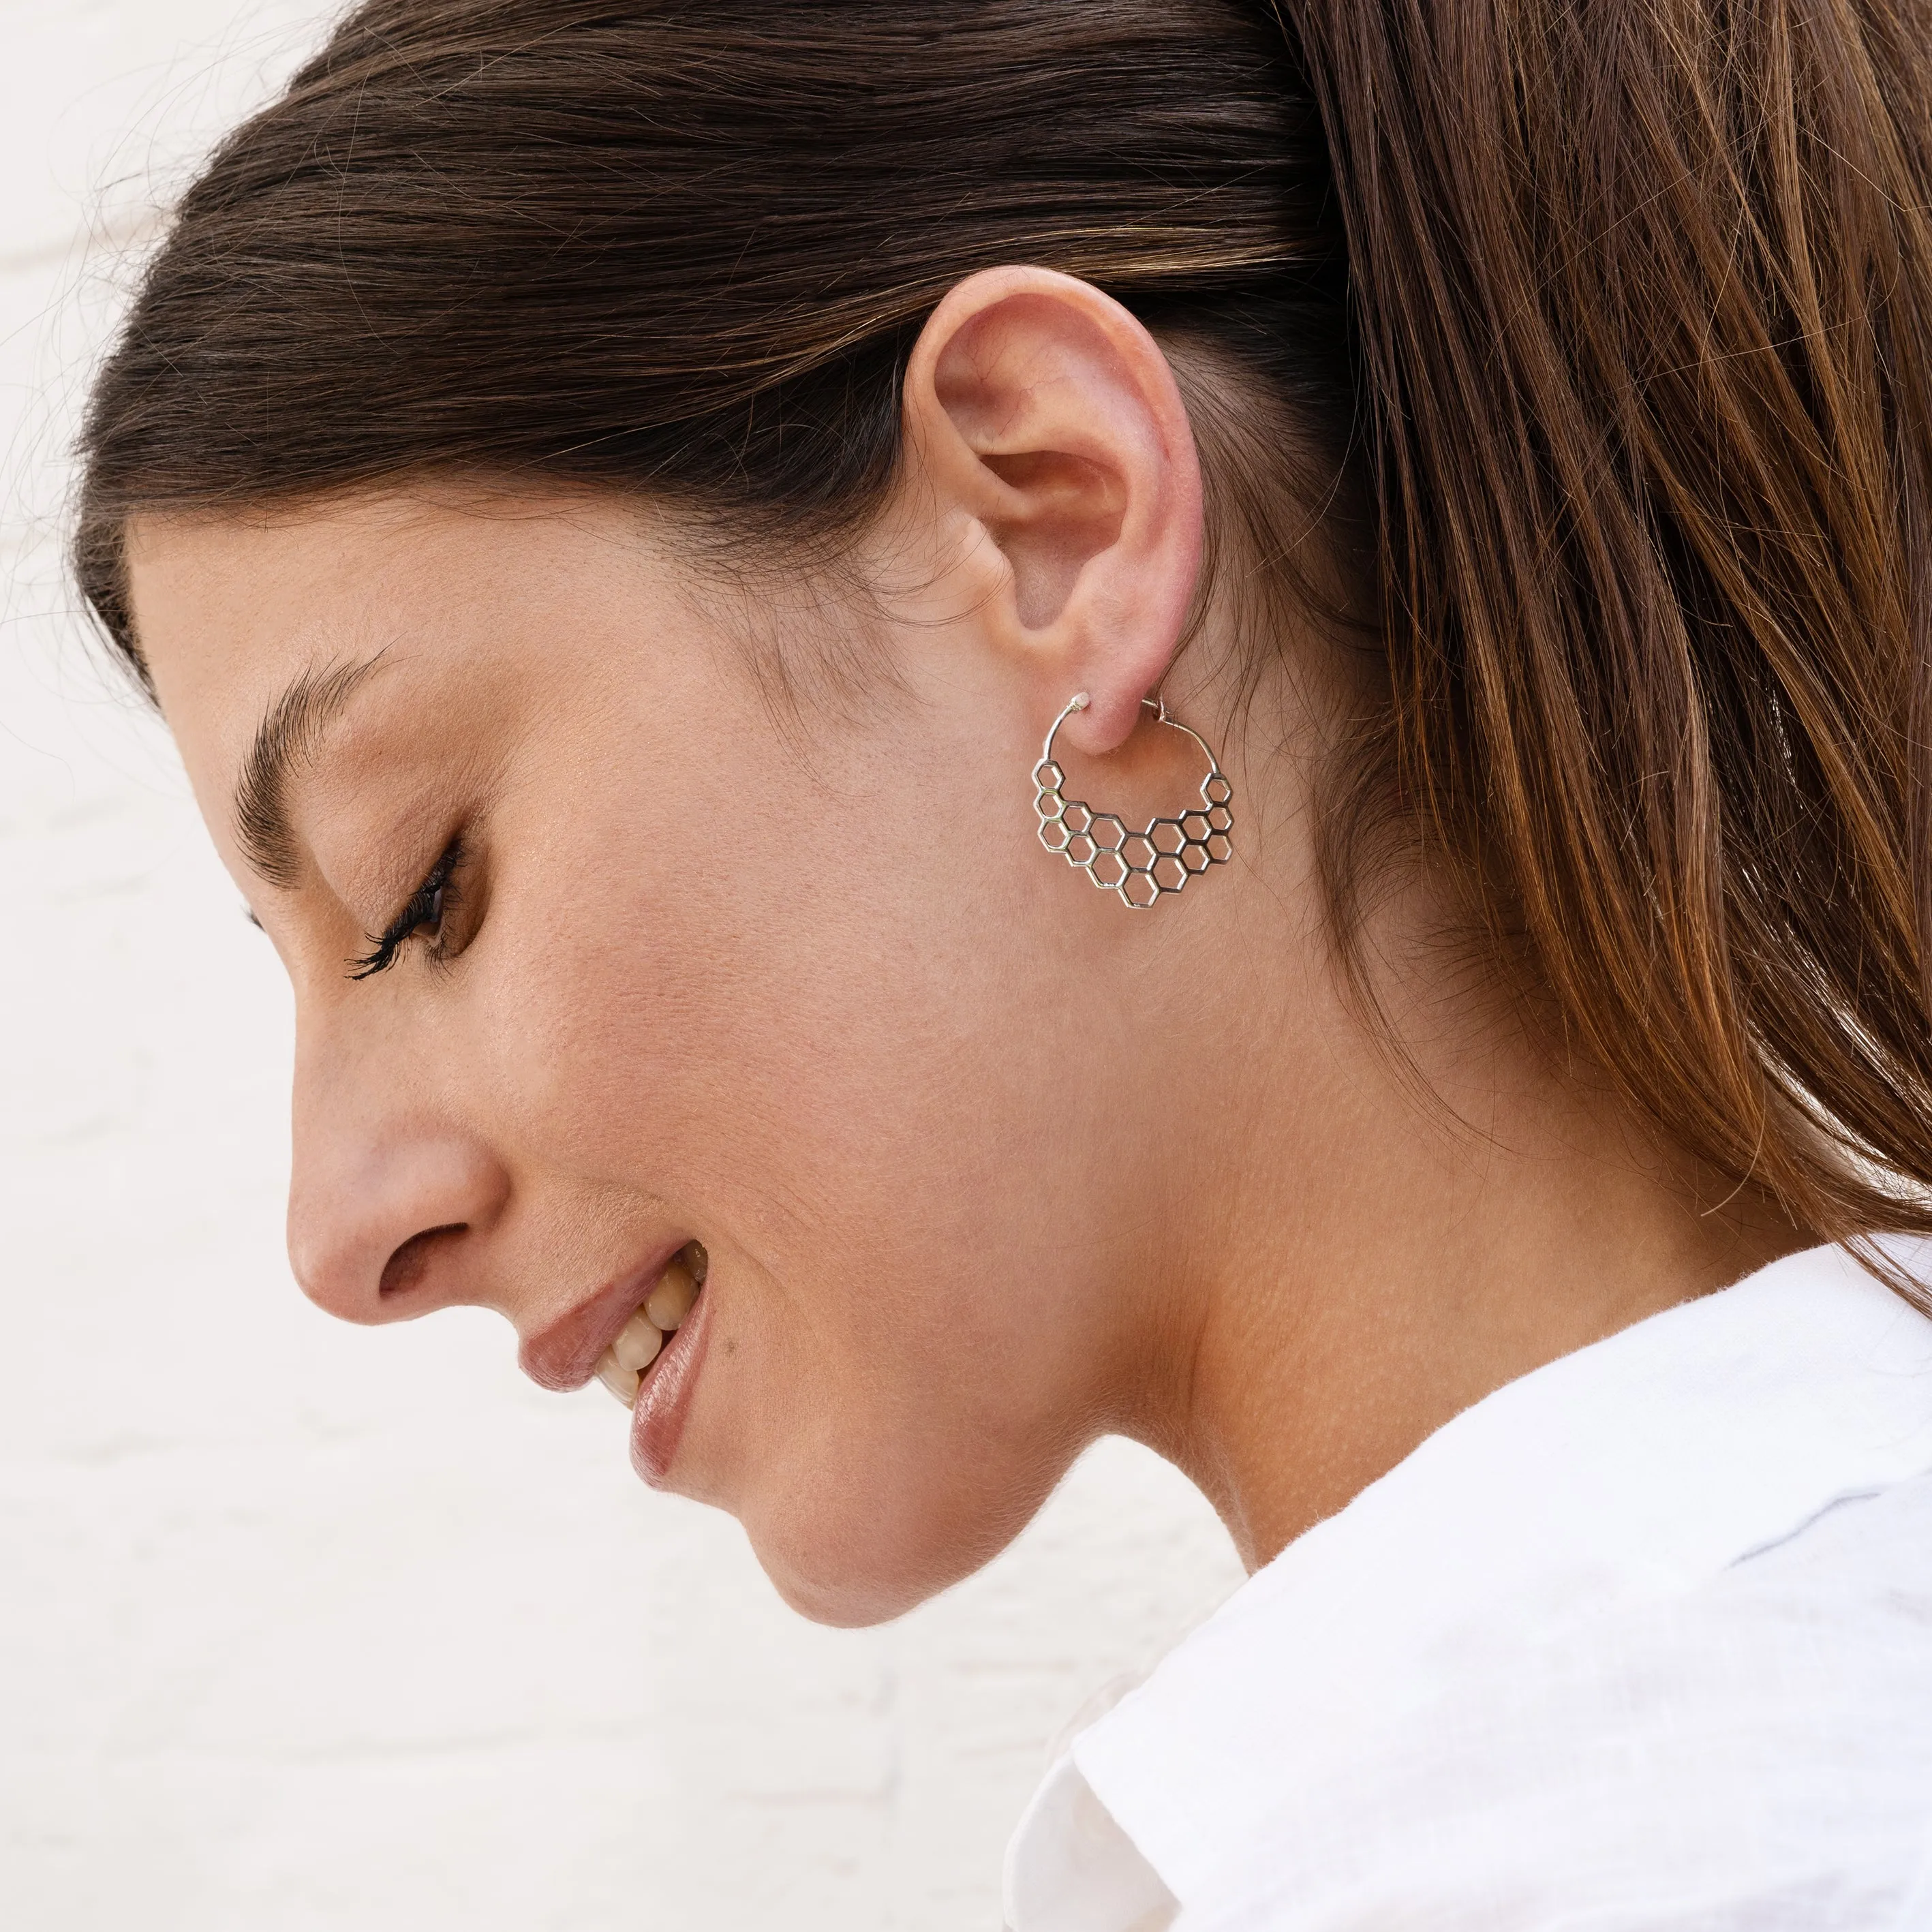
(731, 1344)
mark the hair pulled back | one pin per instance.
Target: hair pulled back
(1620, 313)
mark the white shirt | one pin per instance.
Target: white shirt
(1642, 1640)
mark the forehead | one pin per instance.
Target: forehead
(230, 613)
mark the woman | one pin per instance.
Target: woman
(1035, 718)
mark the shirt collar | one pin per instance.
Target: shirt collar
(1643, 1464)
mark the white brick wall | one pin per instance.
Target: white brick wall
(304, 1629)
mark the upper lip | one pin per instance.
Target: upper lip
(564, 1354)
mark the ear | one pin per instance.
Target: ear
(1045, 422)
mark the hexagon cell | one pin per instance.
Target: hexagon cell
(1140, 867)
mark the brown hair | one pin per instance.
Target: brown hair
(1617, 312)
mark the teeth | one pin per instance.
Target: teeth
(620, 1368)
(637, 1343)
(621, 1382)
(671, 1299)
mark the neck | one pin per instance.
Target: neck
(1397, 1234)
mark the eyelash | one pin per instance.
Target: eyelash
(431, 904)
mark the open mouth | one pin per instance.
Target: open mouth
(624, 1365)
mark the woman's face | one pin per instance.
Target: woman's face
(792, 980)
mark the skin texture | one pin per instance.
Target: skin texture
(985, 1164)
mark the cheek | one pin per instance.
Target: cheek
(887, 1394)
(836, 1079)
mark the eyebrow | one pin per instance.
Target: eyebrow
(289, 735)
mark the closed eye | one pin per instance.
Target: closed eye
(429, 905)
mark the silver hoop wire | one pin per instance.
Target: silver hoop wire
(1138, 866)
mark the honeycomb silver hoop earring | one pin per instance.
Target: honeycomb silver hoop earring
(1142, 867)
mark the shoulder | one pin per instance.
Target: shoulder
(1754, 1753)
(1642, 1640)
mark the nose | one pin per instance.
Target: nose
(392, 1202)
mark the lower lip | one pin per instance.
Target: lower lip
(663, 1402)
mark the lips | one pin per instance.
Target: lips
(665, 1395)
(643, 1336)
(565, 1355)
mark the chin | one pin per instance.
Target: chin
(854, 1570)
(843, 1602)
(830, 1582)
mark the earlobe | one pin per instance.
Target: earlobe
(1042, 413)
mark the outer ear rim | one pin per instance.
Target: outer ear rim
(1170, 500)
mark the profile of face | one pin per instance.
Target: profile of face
(635, 893)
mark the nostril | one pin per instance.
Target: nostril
(405, 1269)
